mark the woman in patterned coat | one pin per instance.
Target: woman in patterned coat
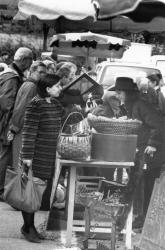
(42, 123)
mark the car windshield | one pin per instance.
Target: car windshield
(111, 72)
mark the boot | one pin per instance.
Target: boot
(28, 229)
(40, 236)
(30, 236)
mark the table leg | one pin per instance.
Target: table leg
(55, 180)
(113, 235)
(72, 179)
(87, 226)
(54, 187)
(128, 234)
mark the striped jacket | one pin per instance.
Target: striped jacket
(41, 128)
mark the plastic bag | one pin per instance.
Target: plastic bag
(23, 193)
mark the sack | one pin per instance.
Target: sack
(76, 145)
(23, 193)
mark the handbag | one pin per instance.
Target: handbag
(77, 144)
(23, 192)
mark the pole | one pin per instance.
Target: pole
(45, 36)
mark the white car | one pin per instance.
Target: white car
(158, 61)
(107, 72)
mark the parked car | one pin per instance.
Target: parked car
(158, 61)
(107, 72)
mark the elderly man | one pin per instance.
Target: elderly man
(26, 92)
(10, 81)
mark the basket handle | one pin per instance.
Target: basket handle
(72, 113)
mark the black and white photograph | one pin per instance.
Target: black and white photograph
(82, 124)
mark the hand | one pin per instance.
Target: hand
(90, 105)
(10, 136)
(28, 163)
(150, 151)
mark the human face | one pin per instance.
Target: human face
(40, 71)
(121, 95)
(51, 69)
(26, 63)
(55, 90)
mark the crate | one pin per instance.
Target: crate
(117, 148)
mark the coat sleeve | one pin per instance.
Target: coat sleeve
(152, 124)
(30, 129)
(7, 98)
(24, 96)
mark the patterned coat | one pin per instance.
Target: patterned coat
(41, 128)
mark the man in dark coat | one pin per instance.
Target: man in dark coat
(11, 81)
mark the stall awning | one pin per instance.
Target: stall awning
(52, 9)
(137, 10)
(89, 44)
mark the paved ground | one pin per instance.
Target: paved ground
(11, 238)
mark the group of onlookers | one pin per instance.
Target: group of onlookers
(32, 110)
(20, 82)
(33, 107)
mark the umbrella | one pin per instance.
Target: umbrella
(122, 23)
(52, 9)
(137, 10)
(89, 44)
(111, 8)
(137, 16)
(8, 9)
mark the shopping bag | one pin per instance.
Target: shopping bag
(23, 192)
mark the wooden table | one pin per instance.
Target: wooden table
(73, 165)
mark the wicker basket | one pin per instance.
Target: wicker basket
(85, 196)
(102, 210)
(74, 146)
(114, 126)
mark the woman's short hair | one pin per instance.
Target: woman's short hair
(66, 68)
(35, 66)
(45, 81)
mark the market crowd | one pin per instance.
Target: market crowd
(34, 105)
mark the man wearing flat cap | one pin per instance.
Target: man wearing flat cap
(10, 81)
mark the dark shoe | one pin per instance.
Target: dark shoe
(1, 198)
(40, 236)
(31, 236)
(138, 222)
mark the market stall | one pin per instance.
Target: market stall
(73, 166)
(81, 150)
